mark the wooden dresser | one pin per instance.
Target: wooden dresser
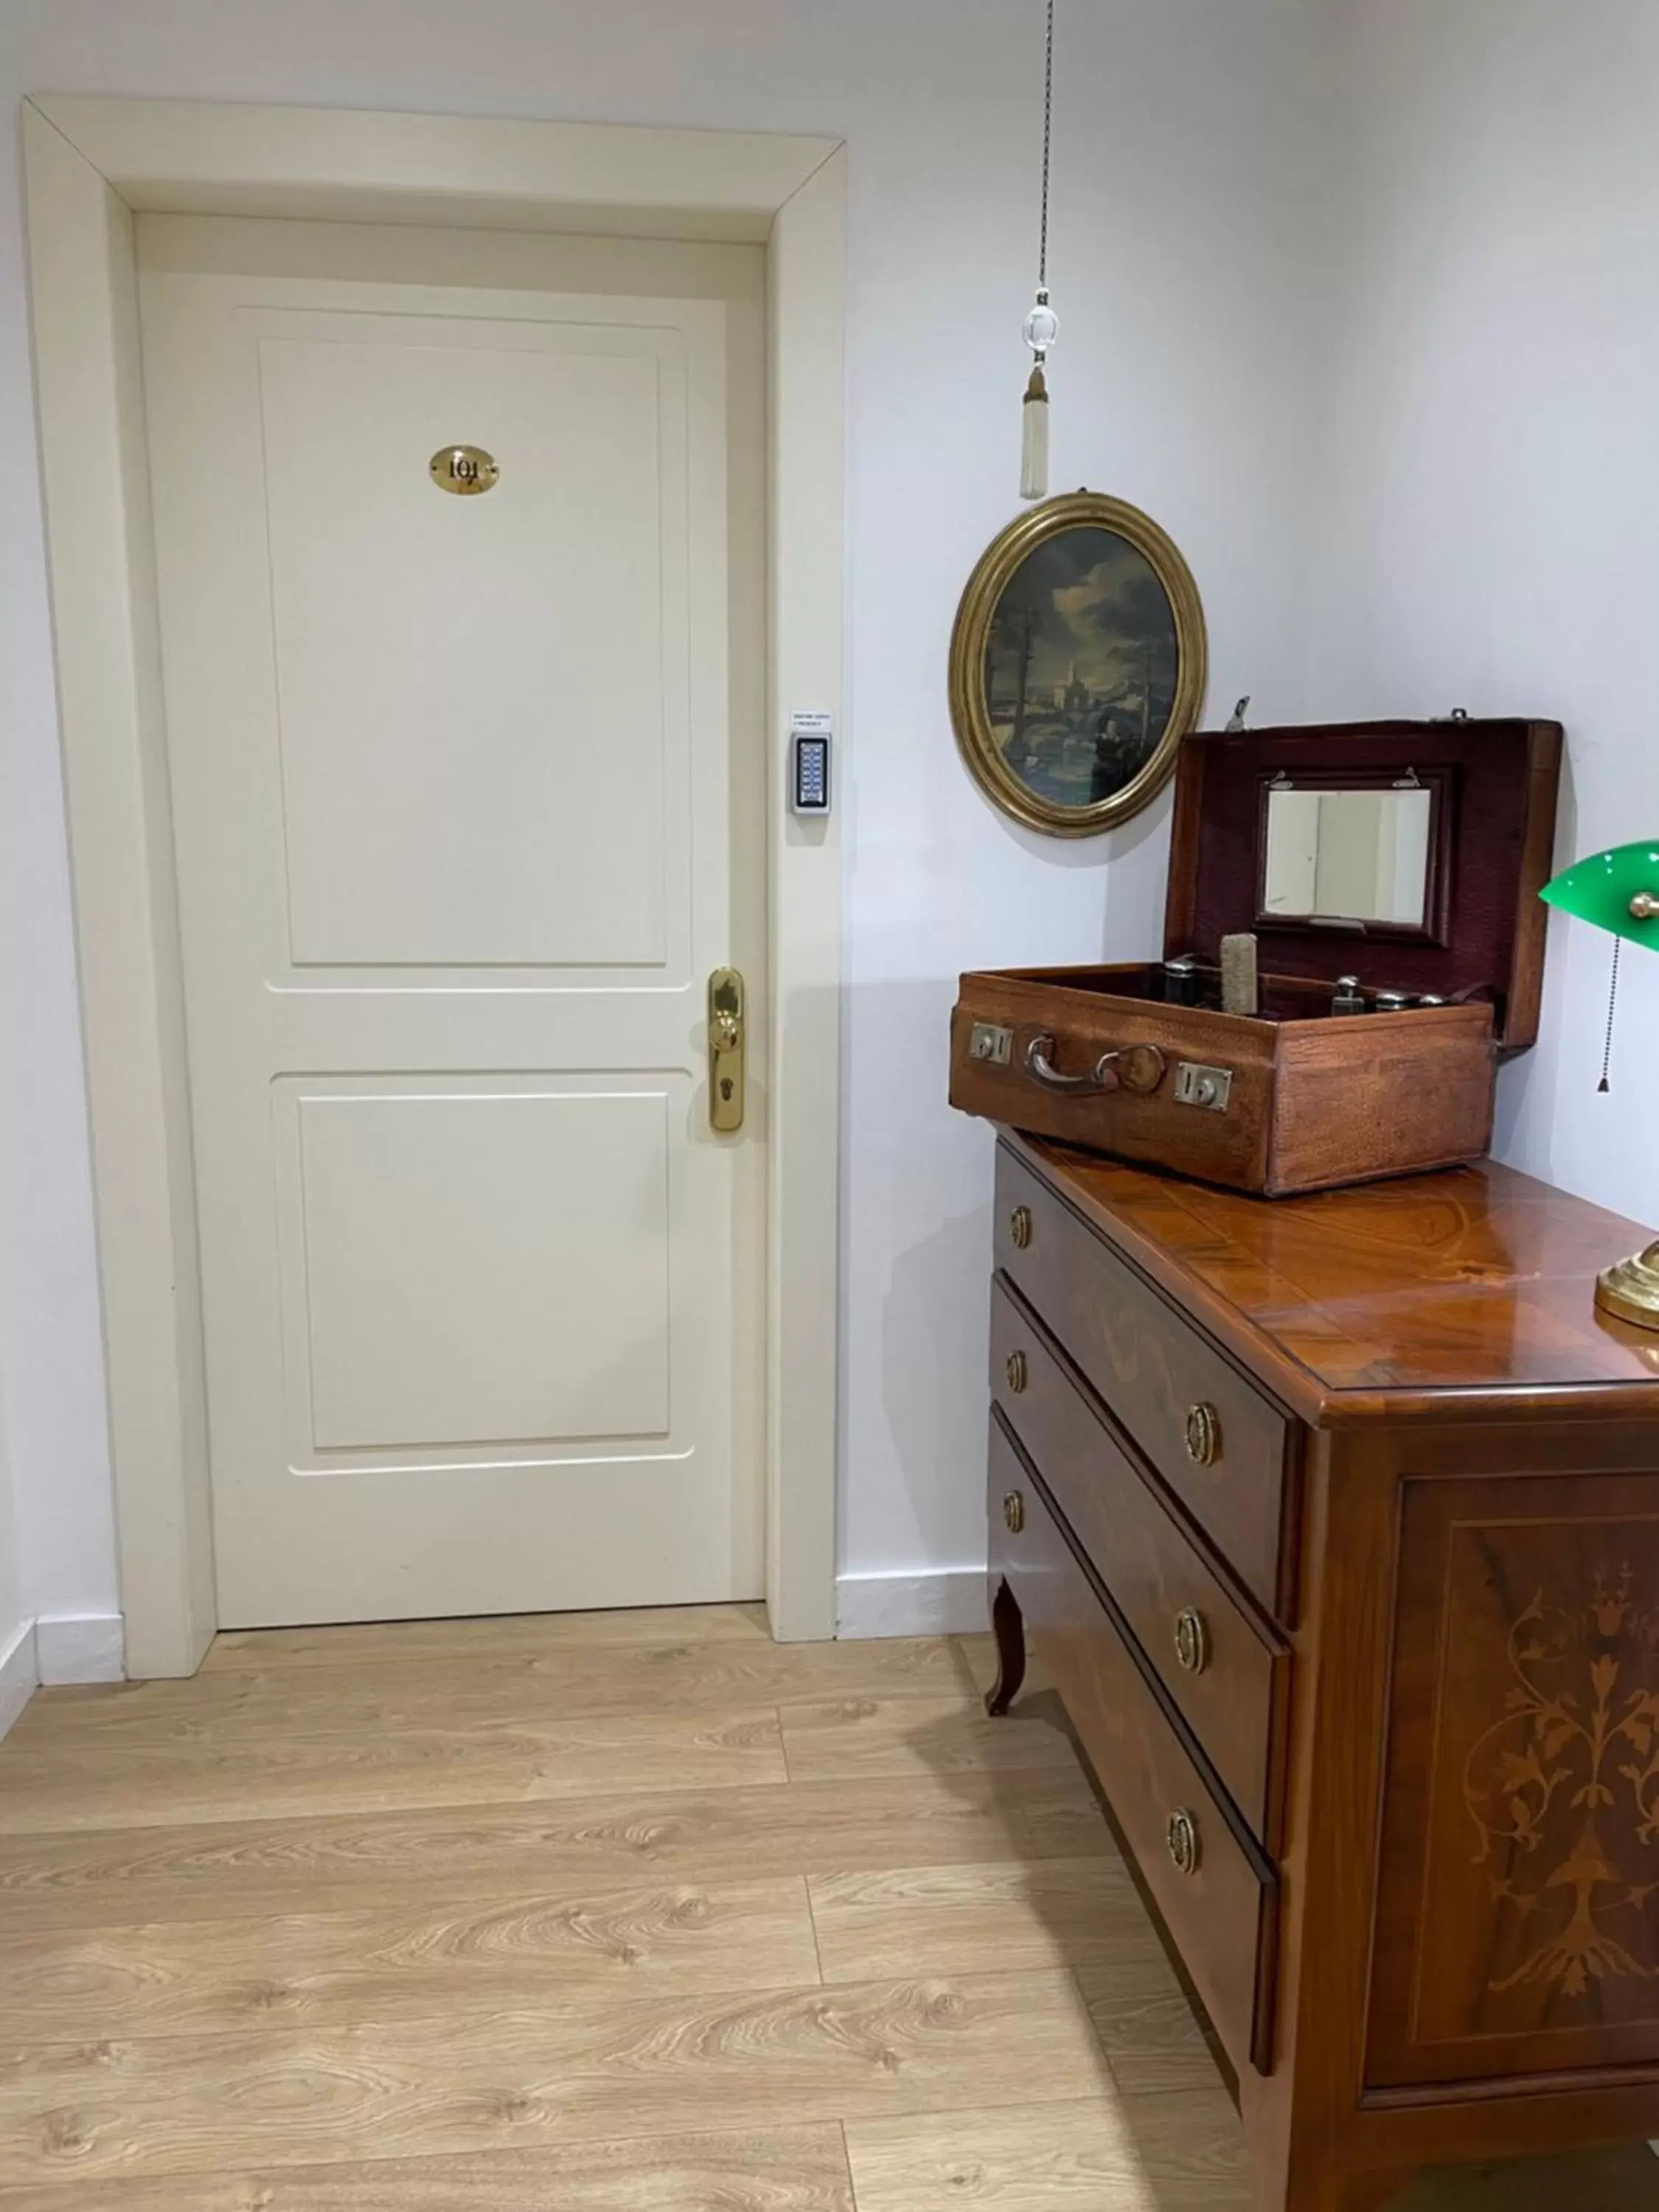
(1336, 1522)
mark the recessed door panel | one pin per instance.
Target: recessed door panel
(489, 1265)
(478, 700)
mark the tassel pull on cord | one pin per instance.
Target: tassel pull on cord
(1034, 442)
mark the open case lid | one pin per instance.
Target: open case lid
(1436, 837)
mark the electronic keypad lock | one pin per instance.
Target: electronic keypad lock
(809, 763)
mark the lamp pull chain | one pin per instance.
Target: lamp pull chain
(1613, 999)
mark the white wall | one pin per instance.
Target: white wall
(11, 1567)
(18, 1662)
(1489, 508)
(1182, 380)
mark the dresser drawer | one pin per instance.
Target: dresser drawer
(1220, 1910)
(1229, 1683)
(1223, 1449)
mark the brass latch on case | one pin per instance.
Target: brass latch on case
(1198, 1086)
(726, 1049)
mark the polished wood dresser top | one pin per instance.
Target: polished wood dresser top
(1336, 1522)
(1475, 1280)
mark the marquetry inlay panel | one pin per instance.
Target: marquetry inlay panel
(1524, 1762)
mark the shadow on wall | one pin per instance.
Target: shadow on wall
(1112, 848)
(935, 1322)
(921, 1238)
(1517, 1080)
(1552, 1120)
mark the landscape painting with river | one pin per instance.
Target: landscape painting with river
(1081, 667)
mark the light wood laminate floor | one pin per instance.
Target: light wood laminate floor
(627, 1913)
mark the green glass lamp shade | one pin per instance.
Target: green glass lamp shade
(1616, 890)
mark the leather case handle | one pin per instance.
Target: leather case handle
(1103, 1077)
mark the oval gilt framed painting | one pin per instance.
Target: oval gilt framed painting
(1078, 664)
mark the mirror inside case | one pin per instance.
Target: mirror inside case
(1347, 858)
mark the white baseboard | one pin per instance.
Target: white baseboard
(81, 1647)
(947, 1601)
(19, 1675)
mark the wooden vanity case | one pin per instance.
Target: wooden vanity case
(1297, 1098)
(1336, 1523)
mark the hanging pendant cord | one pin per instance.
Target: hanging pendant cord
(1613, 1000)
(1047, 124)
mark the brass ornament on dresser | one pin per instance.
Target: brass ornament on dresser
(1077, 664)
(1630, 1288)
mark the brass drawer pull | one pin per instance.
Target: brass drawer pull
(1203, 1434)
(1192, 1640)
(1019, 1227)
(1182, 1835)
(1017, 1373)
(1013, 1511)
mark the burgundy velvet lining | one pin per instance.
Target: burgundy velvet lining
(1217, 802)
(1282, 998)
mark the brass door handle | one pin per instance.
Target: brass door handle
(727, 1028)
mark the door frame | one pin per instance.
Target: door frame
(89, 165)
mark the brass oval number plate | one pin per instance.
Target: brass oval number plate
(464, 470)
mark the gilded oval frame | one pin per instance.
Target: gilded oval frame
(969, 709)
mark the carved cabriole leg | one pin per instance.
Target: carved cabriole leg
(1008, 1626)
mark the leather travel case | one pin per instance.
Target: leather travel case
(1407, 856)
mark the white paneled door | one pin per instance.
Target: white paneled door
(467, 800)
